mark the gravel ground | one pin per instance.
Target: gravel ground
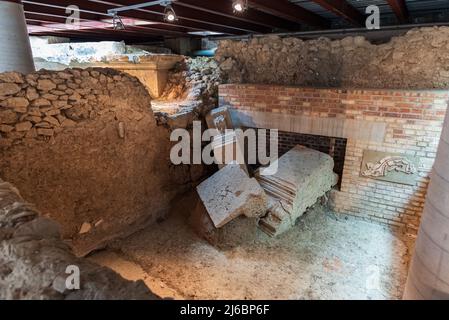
(324, 257)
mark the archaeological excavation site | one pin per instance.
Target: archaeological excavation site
(226, 150)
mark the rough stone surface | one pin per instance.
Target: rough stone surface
(191, 92)
(67, 157)
(230, 193)
(417, 60)
(7, 89)
(34, 259)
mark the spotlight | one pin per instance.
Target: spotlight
(170, 14)
(117, 22)
(240, 6)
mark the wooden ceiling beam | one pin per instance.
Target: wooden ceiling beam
(400, 10)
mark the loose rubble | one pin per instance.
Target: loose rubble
(417, 60)
(191, 92)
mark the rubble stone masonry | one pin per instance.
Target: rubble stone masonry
(397, 121)
(84, 147)
(416, 60)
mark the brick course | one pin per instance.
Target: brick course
(413, 126)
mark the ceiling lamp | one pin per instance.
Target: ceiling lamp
(170, 14)
(239, 6)
(117, 22)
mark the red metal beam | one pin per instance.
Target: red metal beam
(46, 20)
(188, 14)
(289, 11)
(99, 34)
(101, 9)
(59, 12)
(400, 9)
(91, 36)
(343, 9)
(224, 8)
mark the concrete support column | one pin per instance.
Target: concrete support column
(429, 272)
(15, 48)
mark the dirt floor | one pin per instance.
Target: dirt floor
(324, 257)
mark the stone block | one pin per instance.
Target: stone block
(303, 176)
(24, 126)
(46, 85)
(230, 193)
(11, 77)
(6, 128)
(8, 116)
(45, 132)
(219, 119)
(18, 104)
(7, 89)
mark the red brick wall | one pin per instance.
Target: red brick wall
(350, 104)
(412, 120)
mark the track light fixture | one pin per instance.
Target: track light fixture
(239, 6)
(170, 14)
(117, 22)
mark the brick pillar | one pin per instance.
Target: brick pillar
(429, 272)
(15, 48)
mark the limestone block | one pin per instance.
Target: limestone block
(45, 85)
(45, 132)
(8, 116)
(230, 193)
(18, 104)
(220, 119)
(11, 77)
(31, 94)
(303, 176)
(7, 89)
(6, 128)
(24, 126)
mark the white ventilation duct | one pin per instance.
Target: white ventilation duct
(429, 272)
(15, 48)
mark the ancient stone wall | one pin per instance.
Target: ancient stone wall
(417, 60)
(83, 146)
(191, 92)
(34, 260)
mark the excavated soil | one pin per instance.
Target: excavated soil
(324, 256)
